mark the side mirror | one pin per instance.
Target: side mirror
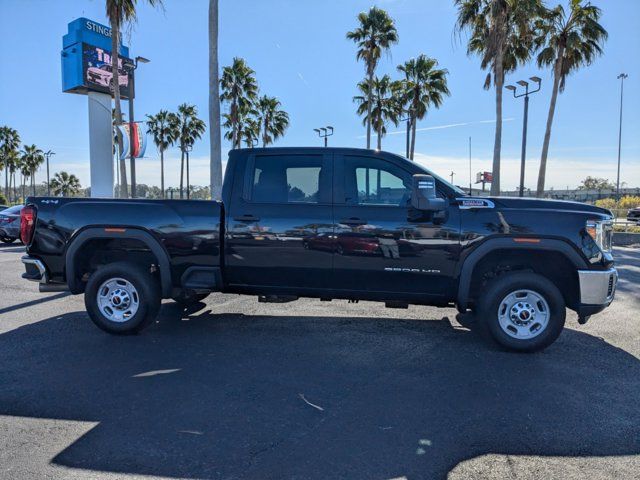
(423, 194)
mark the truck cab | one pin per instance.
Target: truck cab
(337, 223)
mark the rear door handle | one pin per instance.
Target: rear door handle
(353, 221)
(247, 218)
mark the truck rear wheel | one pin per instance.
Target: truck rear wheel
(523, 311)
(122, 298)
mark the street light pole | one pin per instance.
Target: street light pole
(187, 149)
(324, 132)
(525, 120)
(47, 155)
(621, 77)
(132, 158)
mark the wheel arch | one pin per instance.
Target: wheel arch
(496, 246)
(116, 233)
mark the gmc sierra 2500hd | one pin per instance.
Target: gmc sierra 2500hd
(329, 223)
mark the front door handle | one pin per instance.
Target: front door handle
(353, 221)
(247, 218)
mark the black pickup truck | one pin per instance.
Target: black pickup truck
(330, 223)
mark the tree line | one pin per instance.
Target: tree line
(22, 161)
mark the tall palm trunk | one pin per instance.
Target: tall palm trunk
(24, 180)
(547, 134)
(497, 145)
(162, 173)
(115, 40)
(33, 182)
(380, 136)
(6, 183)
(370, 80)
(215, 152)
(234, 123)
(414, 122)
(181, 172)
(264, 134)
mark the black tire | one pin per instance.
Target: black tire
(187, 298)
(497, 291)
(8, 240)
(147, 292)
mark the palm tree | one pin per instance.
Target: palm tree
(9, 145)
(566, 43)
(120, 13)
(424, 86)
(215, 161)
(164, 127)
(248, 126)
(381, 105)
(273, 121)
(190, 128)
(24, 175)
(13, 165)
(64, 184)
(375, 34)
(250, 132)
(32, 158)
(500, 32)
(239, 89)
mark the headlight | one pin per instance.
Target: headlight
(602, 232)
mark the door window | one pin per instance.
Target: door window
(287, 179)
(368, 181)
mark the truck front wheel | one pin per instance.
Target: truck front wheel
(523, 311)
(122, 298)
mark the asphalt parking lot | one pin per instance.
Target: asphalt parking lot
(311, 390)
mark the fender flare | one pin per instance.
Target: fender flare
(93, 233)
(508, 243)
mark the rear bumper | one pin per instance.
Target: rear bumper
(597, 290)
(35, 270)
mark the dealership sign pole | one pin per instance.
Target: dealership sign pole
(86, 70)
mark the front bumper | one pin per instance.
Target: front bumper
(597, 290)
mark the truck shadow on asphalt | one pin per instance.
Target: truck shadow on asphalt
(221, 396)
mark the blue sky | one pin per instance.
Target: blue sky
(299, 52)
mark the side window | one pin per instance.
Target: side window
(369, 181)
(287, 179)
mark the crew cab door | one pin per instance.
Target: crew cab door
(284, 206)
(379, 248)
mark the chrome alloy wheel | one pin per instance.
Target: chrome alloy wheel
(523, 314)
(118, 300)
